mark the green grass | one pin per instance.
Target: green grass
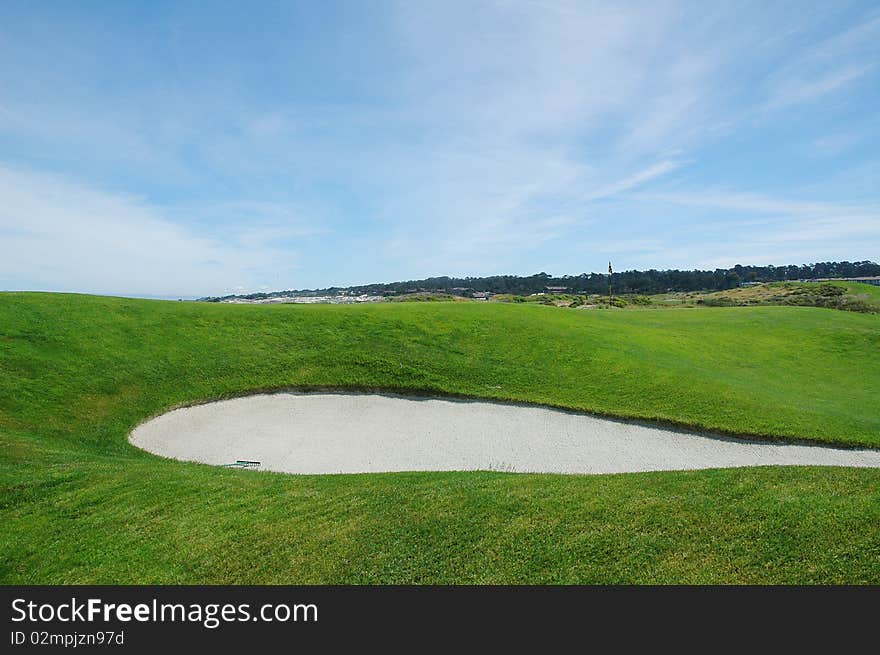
(846, 296)
(80, 505)
(868, 293)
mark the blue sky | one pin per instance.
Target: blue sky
(185, 149)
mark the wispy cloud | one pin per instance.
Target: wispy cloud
(636, 180)
(829, 145)
(805, 90)
(827, 66)
(58, 234)
(514, 107)
(758, 224)
(757, 203)
(298, 145)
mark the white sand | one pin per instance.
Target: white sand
(357, 433)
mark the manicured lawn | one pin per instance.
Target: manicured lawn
(79, 504)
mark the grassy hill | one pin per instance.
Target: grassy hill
(848, 296)
(81, 505)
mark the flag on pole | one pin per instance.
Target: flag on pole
(610, 295)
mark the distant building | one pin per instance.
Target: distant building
(483, 295)
(874, 280)
(557, 289)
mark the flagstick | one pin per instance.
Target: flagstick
(610, 295)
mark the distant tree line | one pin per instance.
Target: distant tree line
(642, 282)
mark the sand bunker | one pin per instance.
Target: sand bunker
(358, 433)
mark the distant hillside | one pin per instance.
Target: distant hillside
(643, 282)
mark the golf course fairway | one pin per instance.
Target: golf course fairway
(82, 505)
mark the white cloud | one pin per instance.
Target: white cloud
(827, 67)
(831, 145)
(778, 229)
(57, 234)
(859, 39)
(485, 139)
(526, 113)
(636, 180)
(805, 90)
(757, 203)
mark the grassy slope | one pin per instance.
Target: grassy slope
(81, 505)
(867, 292)
(856, 297)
